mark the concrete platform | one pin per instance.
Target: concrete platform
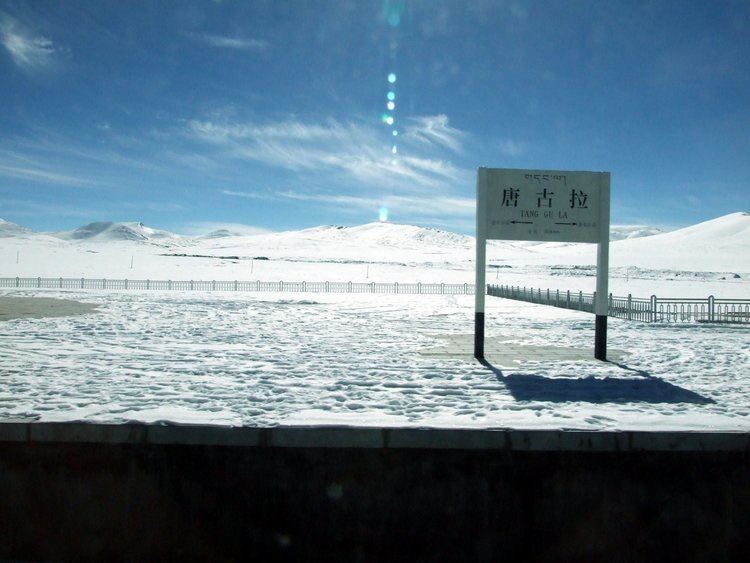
(504, 354)
(374, 438)
(135, 492)
(41, 307)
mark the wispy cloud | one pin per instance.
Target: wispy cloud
(238, 43)
(247, 195)
(435, 130)
(29, 51)
(39, 175)
(406, 207)
(25, 208)
(354, 150)
(511, 148)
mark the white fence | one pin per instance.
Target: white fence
(236, 285)
(651, 310)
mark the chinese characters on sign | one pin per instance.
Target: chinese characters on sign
(545, 206)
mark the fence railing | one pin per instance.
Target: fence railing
(237, 285)
(650, 310)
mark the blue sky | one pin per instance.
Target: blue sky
(190, 115)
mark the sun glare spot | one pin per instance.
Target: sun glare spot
(392, 78)
(383, 214)
(391, 95)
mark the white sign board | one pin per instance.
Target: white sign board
(542, 205)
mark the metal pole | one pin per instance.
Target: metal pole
(601, 305)
(481, 258)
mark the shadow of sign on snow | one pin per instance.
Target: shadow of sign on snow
(645, 389)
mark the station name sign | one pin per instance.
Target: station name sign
(543, 205)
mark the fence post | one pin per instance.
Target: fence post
(350, 287)
(419, 287)
(653, 308)
(191, 285)
(593, 299)
(609, 304)
(580, 300)
(630, 307)
(395, 286)
(711, 308)
(60, 282)
(126, 283)
(304, 286)
(213, 285)
(567, 300)
(328, 288)
(169, 284)
(257, 284)
(235, 285)
(39, 282)
(104, 283)
(466, 289)
(442, 288)
(18, 282)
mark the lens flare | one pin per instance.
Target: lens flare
(383, 214)
(391, 95)
(389, 120)
(392, 78)
(391, 106)
(394, 149)
(395, 133)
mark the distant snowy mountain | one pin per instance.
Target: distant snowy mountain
(388, 234)
(220, 233)
(8, 229)
(113, 231)
(621, 232)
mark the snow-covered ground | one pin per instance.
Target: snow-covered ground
(232, 358)
(354, 359)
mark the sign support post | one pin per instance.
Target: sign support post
(481, 266)
(601, 306)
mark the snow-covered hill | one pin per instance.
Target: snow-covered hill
(714, 250)
(8, 229)
(117, 231)
(721, 244)
(621, 232)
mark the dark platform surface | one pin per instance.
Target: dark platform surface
(139, 492)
